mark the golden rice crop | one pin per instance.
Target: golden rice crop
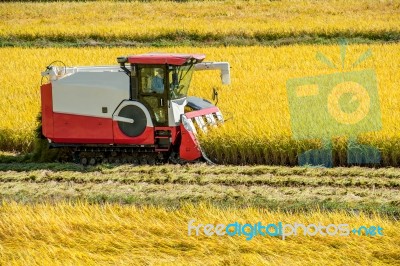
(82, 234)
(137, 21)
(259, 129)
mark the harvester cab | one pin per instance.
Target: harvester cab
(136, 109)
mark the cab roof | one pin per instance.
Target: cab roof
(164, 58)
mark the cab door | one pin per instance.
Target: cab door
(153, 92)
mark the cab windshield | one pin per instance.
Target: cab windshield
(179, 78)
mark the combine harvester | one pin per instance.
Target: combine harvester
(131, 113)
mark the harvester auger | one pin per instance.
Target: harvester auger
(133, 112)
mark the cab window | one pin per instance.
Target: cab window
(152, 80)
(180, 77)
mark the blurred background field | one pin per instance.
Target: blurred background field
(203, 23)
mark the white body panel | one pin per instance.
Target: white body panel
(175, 109)
(87, 92)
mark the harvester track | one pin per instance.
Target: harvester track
(135, 155)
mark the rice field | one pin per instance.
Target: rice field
(66, 214)
(202, 22)
(291, 189)
(83, 234)
(259, 128)
(256, 104)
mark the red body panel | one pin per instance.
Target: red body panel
(189, 149)
(161, 59)
(82, 129)
(147, 137)
(94, 130)
(47, 110)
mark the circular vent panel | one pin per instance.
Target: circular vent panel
(139, 121)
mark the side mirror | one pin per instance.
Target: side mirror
(215, 96)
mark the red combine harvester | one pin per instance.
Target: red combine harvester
(131, 113)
